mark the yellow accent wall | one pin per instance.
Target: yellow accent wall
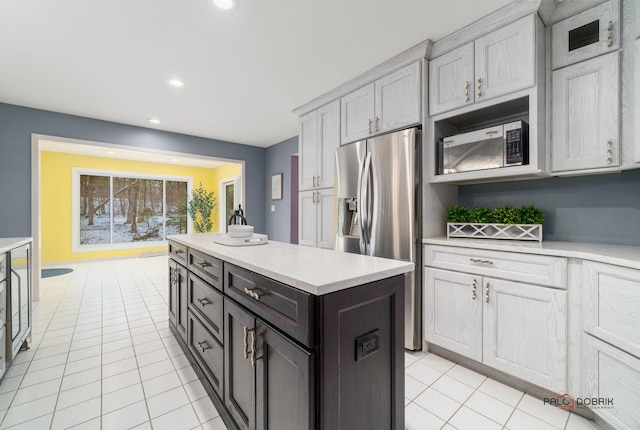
(56, 198)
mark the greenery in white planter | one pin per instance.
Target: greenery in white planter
(200, 207)
(504, 222)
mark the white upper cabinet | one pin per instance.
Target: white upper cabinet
(319, 137)
(397, 99)
(588, 34)
(390, 103)
(357, 114)
(451, 80)
(505, 59)
(316, 223)
(499, 63)
(586, 115)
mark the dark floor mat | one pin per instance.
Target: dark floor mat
(47, 273)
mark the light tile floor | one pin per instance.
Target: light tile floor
(102, 357)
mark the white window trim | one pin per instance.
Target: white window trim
(76, 247)
(237, 199)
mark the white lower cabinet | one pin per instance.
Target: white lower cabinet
(316, 218)
(612, 377)
(517, 328)
(612, 342)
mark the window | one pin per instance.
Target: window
(114, 210)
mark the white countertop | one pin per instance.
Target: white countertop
(9, 243)
(621, 255)
(316, 271)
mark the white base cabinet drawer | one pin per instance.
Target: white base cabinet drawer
(613, 374)
(613, 307)
(535, 269)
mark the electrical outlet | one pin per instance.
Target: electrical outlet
(273, 208)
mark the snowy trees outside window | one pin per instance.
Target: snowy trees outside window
(122, 209)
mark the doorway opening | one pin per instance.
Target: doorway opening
(229, 200)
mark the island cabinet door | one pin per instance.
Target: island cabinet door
(284, 382)
(239, 373)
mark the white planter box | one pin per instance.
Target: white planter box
(495, 231)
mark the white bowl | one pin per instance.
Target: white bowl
(240, 230)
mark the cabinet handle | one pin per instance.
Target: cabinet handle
(202, 346)
(204, 302)
(610, 34)
(466, 91)
(203, 264)
(479, 87)
(369, 125)
(178, 251)
(376, 125)
(473, 290)
(252, 293)
(486, 292)
(609, 152)
(253, 348)
(315, 183)
(479, 261)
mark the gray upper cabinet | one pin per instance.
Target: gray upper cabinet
(499, 63)
(319, 137)
(586, 115)
(390, 103)
(593, 32)
(451, 80)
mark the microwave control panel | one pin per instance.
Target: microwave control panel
(516, 143)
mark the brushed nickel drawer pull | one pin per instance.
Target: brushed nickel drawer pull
(252, 293)
(473, 290)
(203, 264)
(486, 293)
(479, 261)
(178, 251)
(202, 346)
(479, 87)
(610, 34)
(204, 302)
(466, 91)
(370, 126)
(376, 126)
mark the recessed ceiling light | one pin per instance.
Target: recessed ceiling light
(176, 83)
(226, 4)
(174, 159)
(110, 152)
(153, 120)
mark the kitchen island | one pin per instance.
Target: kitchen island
(289, 337)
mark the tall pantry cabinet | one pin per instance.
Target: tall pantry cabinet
(319, 137)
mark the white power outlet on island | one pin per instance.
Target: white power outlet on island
(273, 208)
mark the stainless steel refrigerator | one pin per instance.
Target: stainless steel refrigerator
(378, 195)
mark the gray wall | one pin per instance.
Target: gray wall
(278, 160)
(599, 208)
(18, 123)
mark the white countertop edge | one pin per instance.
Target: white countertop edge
(9, 243)
(394, 267)
(620, 255)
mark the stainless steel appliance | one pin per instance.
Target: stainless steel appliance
(378, 189)
(490, 148)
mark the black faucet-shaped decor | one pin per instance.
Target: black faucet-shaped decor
(238, 217)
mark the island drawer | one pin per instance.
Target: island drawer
(289, 309)
(207, 302)
(178, 252)
(514, 266)
(206, 266)
(208, 352)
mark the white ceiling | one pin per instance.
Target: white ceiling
(244, 70)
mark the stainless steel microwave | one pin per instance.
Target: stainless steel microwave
(490, 148)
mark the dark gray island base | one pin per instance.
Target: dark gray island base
(276, 357)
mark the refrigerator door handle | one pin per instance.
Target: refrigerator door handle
(363, 205)
(370, 204)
